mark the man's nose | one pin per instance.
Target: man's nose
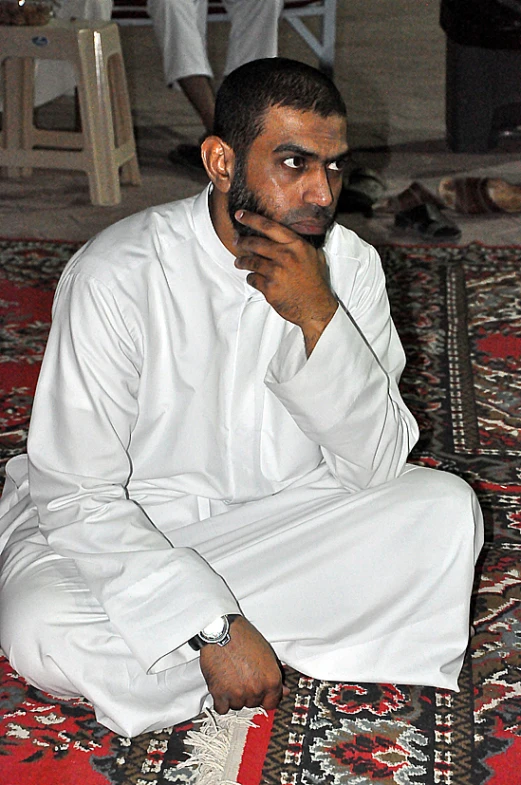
(319, 189)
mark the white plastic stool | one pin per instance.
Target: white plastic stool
(106, 141)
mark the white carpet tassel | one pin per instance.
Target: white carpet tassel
(217, 746)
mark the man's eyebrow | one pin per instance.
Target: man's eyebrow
(298, 150)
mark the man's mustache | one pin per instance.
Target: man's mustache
(314, 212)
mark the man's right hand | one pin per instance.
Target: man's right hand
(245, 672)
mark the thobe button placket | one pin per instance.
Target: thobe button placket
(247, 398)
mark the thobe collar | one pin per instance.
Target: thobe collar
(215, 249)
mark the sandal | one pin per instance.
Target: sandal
(428, 221)
(479, 195)
(363, 189)
(414, 195)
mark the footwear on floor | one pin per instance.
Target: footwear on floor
(415, 194)
(188, 155)
(363, 189)
(427, 221)
(480, 195)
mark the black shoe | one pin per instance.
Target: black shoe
(188, 155)
(428, 222)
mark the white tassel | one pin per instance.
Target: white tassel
(217, 745)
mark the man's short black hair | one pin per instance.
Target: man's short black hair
(247, 93)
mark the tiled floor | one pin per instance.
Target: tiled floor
(390, 69)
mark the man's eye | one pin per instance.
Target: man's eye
(295, 162)
(337, 166)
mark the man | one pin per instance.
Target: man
(217, 477)
(181, 26)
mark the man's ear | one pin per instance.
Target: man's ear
(218, 158)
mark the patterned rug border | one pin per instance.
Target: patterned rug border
(40, 240)
(386, 244)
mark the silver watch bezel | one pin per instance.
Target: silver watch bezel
(221, 636)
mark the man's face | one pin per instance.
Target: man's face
(292, 172)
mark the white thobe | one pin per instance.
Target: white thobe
(186, 460)
(181, 31)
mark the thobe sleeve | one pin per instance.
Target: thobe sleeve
(345, 396)
(155, 595)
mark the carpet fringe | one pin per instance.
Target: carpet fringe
(217, 745)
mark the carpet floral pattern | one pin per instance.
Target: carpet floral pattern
(458, 313)
(459, 316)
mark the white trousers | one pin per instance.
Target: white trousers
(181, 29)
(371, 586)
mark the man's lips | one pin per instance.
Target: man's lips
(309, 226)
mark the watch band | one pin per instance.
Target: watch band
(222, 637)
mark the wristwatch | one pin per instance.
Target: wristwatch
(217, 632)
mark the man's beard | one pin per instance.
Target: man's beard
(240, 197)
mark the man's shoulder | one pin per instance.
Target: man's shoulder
(343, 242)
(354, 264)
(136, 243)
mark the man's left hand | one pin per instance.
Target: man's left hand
(291, 274)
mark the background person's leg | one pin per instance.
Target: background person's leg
(198, 90)
(180, 28)
(254, 30)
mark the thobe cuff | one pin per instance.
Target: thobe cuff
(163, 611)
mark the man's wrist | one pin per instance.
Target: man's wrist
(312, 329)
(218, 632)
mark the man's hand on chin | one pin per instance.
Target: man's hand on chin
(245, 672)
(291, 274)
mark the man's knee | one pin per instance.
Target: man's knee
(451, 499)
(32, 612)
(436, 483)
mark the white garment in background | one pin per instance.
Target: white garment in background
(181, 29)
(187, 460)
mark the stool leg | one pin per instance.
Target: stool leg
(18, 108)
(123, 117)
(27, 109)
(96, 120)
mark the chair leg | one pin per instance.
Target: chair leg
(18, 108)
(27, 109)
(106, 142)
(96, 118)
(123, 129)
(327, 58)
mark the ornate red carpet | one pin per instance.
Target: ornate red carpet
(459, 315)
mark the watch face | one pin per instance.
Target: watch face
(216, 631)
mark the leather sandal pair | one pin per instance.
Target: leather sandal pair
(428, 222)
(418, 210)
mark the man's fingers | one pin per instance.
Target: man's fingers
(268, 699)
(221, 704)
(272, 698)
(261, 247)
(255, 280)
(249, 262)
(271, 229)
